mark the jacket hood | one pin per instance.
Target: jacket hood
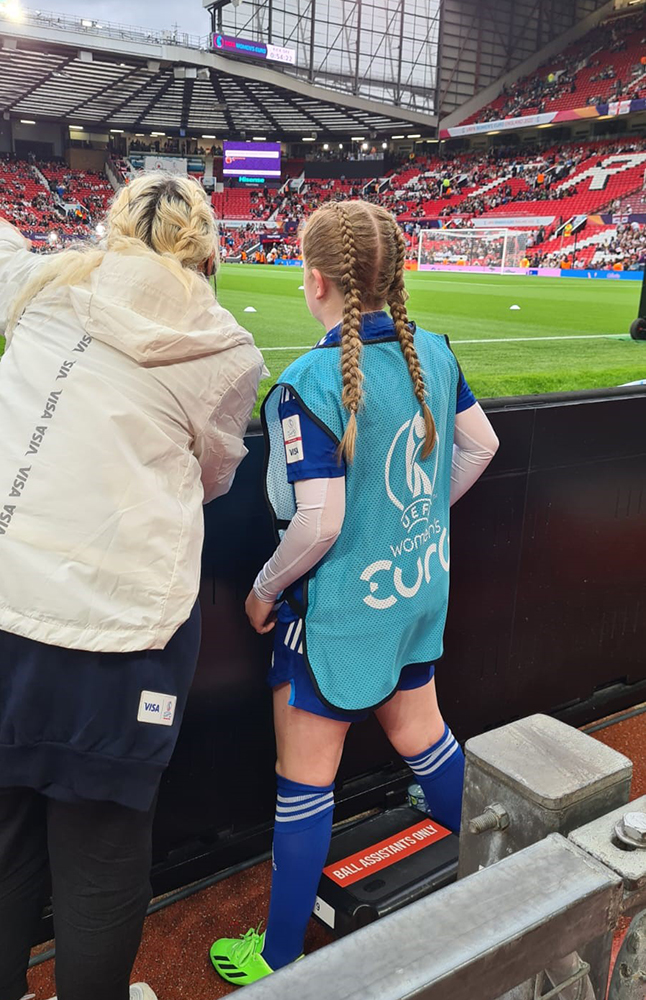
(138, 306)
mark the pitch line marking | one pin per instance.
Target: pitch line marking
(493, 340)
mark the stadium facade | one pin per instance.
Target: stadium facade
(360, 66)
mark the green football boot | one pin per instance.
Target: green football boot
(239, 960)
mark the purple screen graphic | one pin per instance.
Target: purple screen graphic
(251, 159)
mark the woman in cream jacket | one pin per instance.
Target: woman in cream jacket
(125, 391)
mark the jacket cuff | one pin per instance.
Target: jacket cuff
(11, 239)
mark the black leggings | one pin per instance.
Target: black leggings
(99, 857)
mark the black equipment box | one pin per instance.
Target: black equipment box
(382, 864)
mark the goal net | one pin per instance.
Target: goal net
(499, 250)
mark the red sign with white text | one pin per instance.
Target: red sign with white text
(387, 852)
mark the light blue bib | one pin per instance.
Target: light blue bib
(378, 599)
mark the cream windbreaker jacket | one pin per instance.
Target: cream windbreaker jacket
(123, 404)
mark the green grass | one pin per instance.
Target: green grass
(470, 307)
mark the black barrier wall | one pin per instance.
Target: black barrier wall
(547, 614)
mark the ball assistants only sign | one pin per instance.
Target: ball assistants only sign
(244, 47)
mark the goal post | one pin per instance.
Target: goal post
(487, 249)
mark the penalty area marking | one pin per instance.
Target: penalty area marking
(494, 340)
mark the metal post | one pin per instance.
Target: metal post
(312, 30)
(541, 791)
(476, 73)
(438, 68)
(358, 48)
(517, 791)
(618, 841)
(398, 98)
(270, 21)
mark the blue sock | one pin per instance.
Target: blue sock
(301, 842)
(440, 772)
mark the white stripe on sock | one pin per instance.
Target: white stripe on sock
(303, 806)
(438, 763)
(301, 798)
(433, 755)
(305, 815)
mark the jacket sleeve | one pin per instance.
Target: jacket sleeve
(17, 265)
(219, 446)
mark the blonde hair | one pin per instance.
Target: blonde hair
(360, 247)
(158, 214)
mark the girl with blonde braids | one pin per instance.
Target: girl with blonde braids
(125, 392)
(371, 436)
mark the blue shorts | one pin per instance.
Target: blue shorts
(288, 667)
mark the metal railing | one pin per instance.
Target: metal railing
(106, 29)
(481, 936)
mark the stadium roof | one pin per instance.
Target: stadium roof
(54, 68)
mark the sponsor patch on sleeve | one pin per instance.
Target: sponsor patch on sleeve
(293, 439)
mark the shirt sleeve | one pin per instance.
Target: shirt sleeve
(316, 525)
(310, 451)
(465, 399)
(474, 445)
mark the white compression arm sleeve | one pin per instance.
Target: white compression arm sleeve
(320, 510)
(474, 445)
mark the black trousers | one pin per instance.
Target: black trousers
(96, 858)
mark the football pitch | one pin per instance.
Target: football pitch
(569, 333)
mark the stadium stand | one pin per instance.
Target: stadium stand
(238, 203)
(580, 178)
(28, 204)
(605, 65)
(87, 188)
(554, 184)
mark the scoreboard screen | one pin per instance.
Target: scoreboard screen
(233, 46)
(251, 159)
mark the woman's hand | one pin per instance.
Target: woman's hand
(261, 615)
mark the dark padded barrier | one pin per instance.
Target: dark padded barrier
(548, 614)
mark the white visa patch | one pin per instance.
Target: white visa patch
(158, 709)
(293, 439)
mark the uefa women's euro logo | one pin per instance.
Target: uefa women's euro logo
(405, 477)
(411, 488)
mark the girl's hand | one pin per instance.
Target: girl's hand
(261, 615)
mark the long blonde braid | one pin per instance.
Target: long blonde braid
(396, 298)
(351, 344)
